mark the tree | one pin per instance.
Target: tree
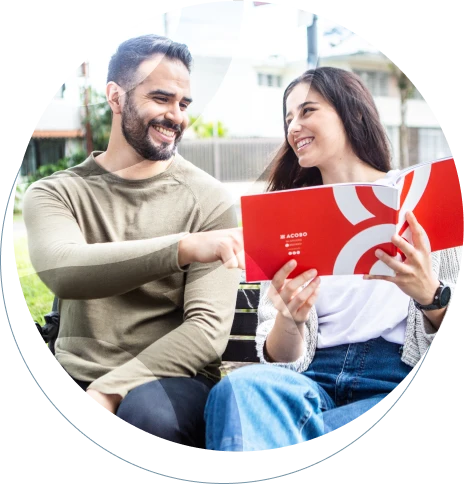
(99, 118)
(406, 88)
(207, 129)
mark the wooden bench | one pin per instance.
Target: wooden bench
(241, 347)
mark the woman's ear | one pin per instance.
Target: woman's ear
(113, 95)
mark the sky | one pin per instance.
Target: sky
(229, 29)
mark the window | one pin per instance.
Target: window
(376, 81)
(432, 145)
(269, 80)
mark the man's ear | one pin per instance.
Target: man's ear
(114, 97)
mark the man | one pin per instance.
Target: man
(137, 244)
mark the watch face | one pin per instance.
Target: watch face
(445, 296)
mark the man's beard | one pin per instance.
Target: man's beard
(136, 133)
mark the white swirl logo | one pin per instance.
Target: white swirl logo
(355, 212)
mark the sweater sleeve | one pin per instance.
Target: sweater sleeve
(448, 270)
(209, 306)
(74, 269)
(266, 319)
(419, 330)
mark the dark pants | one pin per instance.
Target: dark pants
(170, 408)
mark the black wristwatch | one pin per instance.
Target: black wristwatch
(440, 300)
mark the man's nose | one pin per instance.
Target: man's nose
(174, 114)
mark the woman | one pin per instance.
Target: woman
(332, 346)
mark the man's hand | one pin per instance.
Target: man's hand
(225, 245)
(110, 401)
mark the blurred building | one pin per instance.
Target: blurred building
(246, 96)
(58, 128)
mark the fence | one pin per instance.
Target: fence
(231, 159)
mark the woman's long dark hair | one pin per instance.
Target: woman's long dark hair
(354, 105)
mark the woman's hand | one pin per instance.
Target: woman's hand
(110, 402)
(414, 276)
(290, 298)
(293, 302)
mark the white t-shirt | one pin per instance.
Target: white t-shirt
(352, 310)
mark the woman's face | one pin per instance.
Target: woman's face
(315, 131)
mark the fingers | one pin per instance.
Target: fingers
(296, 284)
(232, 257)
(408, 250)
(302, 314)
(306, 297)
(231, 249)
(233, 260)
(230, 261)
(398, 266)
(282, 274)
(291, 297)
(418, 233)
(241, 259)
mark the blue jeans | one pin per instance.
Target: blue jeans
(262, 407)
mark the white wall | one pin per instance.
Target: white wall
(228, 91)
(418, 115)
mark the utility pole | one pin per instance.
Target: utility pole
(311, 36)
(88, 126)
(166, 25)
(307, 17)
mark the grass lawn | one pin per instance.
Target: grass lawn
(17, 217)
(38, 297)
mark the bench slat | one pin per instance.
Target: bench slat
(241, 350)
(247, 298)
(244, 324)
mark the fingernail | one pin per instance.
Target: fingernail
(378, 253)
(292, 264)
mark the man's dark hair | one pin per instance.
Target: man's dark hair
(131, 53)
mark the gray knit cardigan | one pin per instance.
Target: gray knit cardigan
(419, 331)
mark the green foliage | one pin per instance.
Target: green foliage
(405, 86)
(38, 297)
(100, 118)
(206, 129)
(19, 197)
(43, 171)
(62, 164)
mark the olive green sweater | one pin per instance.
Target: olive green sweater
(108, 248)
